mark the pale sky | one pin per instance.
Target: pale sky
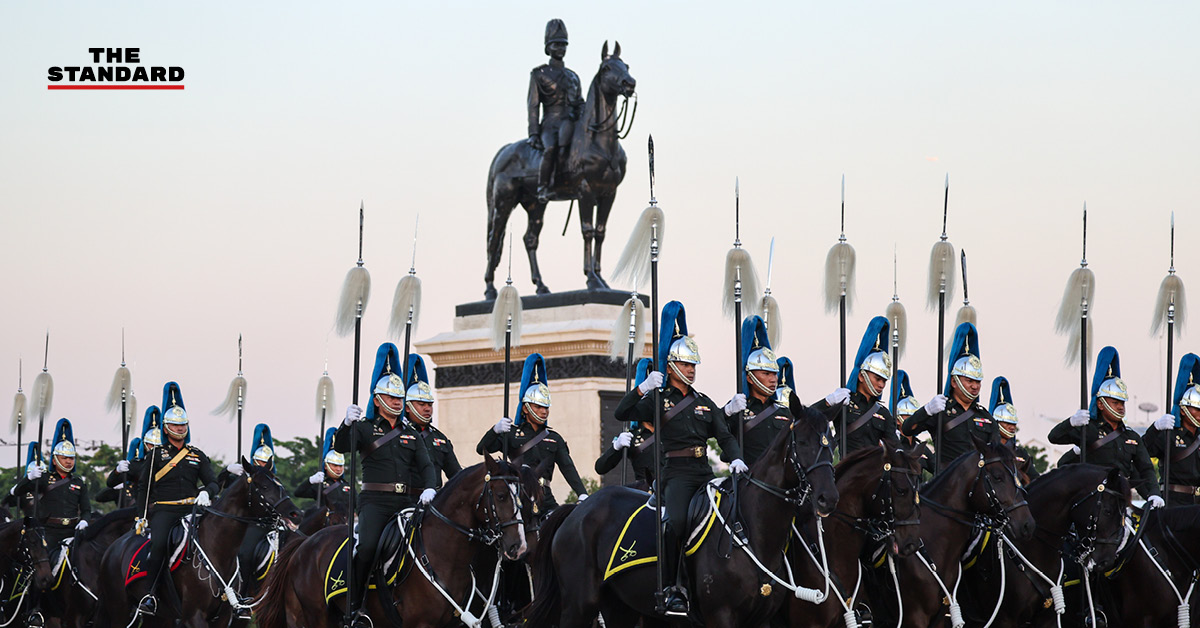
(231, 207)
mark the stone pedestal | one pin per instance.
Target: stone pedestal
(572, 330)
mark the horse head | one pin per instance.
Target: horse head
(1099, 518)
(811, 460)
(995, 492)
(533, 492)
(498, 507)
(267, 497)
(24, 543)
(902, 469)
(614, 76)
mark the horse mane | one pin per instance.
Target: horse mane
(94, 530)
(846, 465)
(1180, 518)
(451, 485)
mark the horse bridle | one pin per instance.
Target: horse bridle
(1086, 540)
(996, 517)
(800, 493)
(24, 552)
(255, 497)
(617, 120)
(492, 529)
(883, 524)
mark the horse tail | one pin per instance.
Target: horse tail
(546, 607)
(271, 611)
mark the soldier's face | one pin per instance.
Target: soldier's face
(767, 379)
(557, 50)
(424, 409)
(65, 463)
(335, 470)
(1114, 409)
(870, 384)
(540, 413)
(686, 369)
(390, 405)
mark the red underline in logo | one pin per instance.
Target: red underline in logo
(114, 87)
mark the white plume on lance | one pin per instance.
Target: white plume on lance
(1081, 285)
(20, 410)
(408, 295)
(839, 266)
(325, 400)
(356, 288)
(941, 267)
(773, 319)
(618, 347)
(42, 394)
(1170, 290)
(237, 388)
(634, 263)
(738, 262)
(508, 303)
(966, 314)
(122, 381)
(1074, 340)
(898, 320)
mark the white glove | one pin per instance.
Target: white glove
(622, 440)
(838, 397)
(1154, 501)
(1165, 423)
(503, 426)
(936, 405)
(353, 413)
(203, 499)
(737, 466)
(317, 477)
(1081, 418)
(34, 472)
(79, 527)
(123, 466)
(581, 498)
(427, 496)
(1075, 449)
(236, 468)
(735, 405)
(654, 379)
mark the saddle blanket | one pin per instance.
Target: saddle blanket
(391, 550)
(179, 539)
(636, 544)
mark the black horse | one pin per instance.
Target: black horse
(878, 504)
(73, 594)
(24, 567)
(1143, 595)
(976, 492)
(595, 166)
(1083, 499)
(727, 581)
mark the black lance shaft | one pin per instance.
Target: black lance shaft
(737, 335)
(351, 599)
(41, 424)
(507, 364)
(320, 457)
(659, 599)
(941, 361)
(629, 381)
(1169, 435)
(842, 379)
(1083, 375)
(124, 446)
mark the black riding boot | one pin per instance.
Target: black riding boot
(676, 602)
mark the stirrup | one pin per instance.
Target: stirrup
(35, 619)
(360, 619)
(147, 606)
(243, 609)
(676, 604)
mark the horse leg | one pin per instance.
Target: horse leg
(533, 232)
(503, 202)
(587, 225)
(603, 207)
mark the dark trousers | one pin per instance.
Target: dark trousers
(254, 535)
(682, 477)
(374, 512)
(162, 519)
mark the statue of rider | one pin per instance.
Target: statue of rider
(555, 90)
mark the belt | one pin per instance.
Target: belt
(62, 521)
(699, 451)
(398, 488)
(1181, 488)
(178, 502)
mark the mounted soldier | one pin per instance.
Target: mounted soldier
(554, 103)
(121, 480)
(764, 416)
(637, 440)
(23, 500)
(1183, 481)
(869, 421)
(172, 470)
(328, 480)
(249, 563)
(529, 440)
(689, 419)
(418, 411)
(395, 465)
(1102, 427)
(1005, 415)
(904, 404)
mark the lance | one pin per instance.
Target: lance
(506, 332)
(966, 313)
(624, 336)
(898, 320)
(356, 291)
(324, 400)
(1170, 306)
(770, 307)
(119, 397)
(406, 305)
(235, 400)
(1074, 322)
(738, 269)
(941, 283)
(43, 396)
(19, 404)
(839, 291)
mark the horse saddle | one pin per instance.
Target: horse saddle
(392, 555)
(178, 540)
(264, 554)
(636, 543)
(58, 558)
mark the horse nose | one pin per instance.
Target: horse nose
(823, 505)
(1026, 531)
(909, 548)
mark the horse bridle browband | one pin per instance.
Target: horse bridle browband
(255, 497)
(803, 489)
(996, 518)
(493, 528)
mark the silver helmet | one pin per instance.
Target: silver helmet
(1113, 388)
(391, 385)
(65, 449)
(969, 367)
(263, 454)
(419, 391)
(335, 458)
(538, 394)
(1191, 397)
(907, 407)
(175, 415)
(152, 438)
(684, 349)
(761, 359)
(879, 363)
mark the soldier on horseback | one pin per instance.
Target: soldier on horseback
(869, 422)
(263, 447)
(530, 440)
(23, 500)
(554, 103)
(636, 440)
(168, 484)
(763, 415)
(1005, 415)
(1110, 442)
(905, 404)
(395, 465)
(1183, 481)
(328, 480)
(689, 419)
(955, 416)
(120, 481)
(418, 411)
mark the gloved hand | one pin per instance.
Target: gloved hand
(1081, 418)
(1155, 502)
(203, 500)
(34, 472)
(427, 496)
(122, 466)
(737, 466)
(236, 468)
(838, 397)
(653, 380)
(622, 440)
(503, 426)
(353, 413)
(581, 498)
(81, 526)
(139, 526)
(735, 405)
(317, 477)
(936, 405)
(1075, 449)
(535, 141)
(1165, 423)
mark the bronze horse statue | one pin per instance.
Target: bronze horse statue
(595, 166)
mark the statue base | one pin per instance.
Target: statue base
(572, 330)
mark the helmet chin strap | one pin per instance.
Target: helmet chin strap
(60, 467)
(1187, 412)
(416, 416)
(769, 392)
(866, 379)
(680, 375)
(533, 418)
(171, 431)
(1006, 431)
(1119, 416)
(385, 408)
(963, 389)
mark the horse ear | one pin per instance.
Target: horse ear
(1113, 477)
(247, 465)
(544, 467)
(980, 444)
(604, 51)
(617, 50)
(491, 465)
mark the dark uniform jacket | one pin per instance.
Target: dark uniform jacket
(881, 427)
(1125, 452)
(441, 453)
(641, 456)
(553, 447)
(402, 460)
(558, 91)
(957, 441)
(181, 481)
(923, 449)
(335, 492)
(755, 441)
(121, 485)
(1185, 461)
(63, 505)
(690, 429)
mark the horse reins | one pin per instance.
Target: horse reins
(493, 528)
